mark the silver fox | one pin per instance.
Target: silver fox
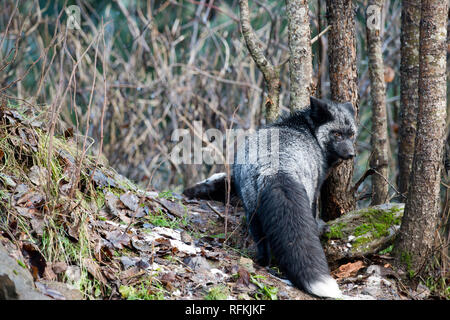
(280, 204)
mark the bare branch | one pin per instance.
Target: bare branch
(271, 74)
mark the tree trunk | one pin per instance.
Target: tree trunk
(300, 61)
(321, 51)
(379, 139)
(409, 99)
(418, 229)
(336, 195)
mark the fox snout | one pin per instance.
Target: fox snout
(349, 156)
(346, 150)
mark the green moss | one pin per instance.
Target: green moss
(362, 229)
(406, 260)
(378, 222)
(382, 216)
(360, 241)
(336, 231)
(381, 230)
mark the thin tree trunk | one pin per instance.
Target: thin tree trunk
(320, 60)
(336, 195)
(300, 61)
(414, 243)
(271, 73)
(409, 99)
(379, 138)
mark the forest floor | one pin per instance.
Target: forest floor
(83, 231)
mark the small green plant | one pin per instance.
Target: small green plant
(387, 250)
(167, 195)
(146, 290)
(219, 292)
(20, 263)
(159, 219)
(264, 292)
(275, 269)
(439, 286)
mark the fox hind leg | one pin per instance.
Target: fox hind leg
(263, 256)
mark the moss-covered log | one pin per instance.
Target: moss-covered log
(362, 232)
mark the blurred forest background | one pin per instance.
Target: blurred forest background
(137, 70)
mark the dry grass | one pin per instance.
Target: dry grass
(127, 75)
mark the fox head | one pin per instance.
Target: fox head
(335, 128)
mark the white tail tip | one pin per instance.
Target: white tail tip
(326, 287)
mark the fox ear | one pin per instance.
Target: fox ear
(320, 111)
(349, 107)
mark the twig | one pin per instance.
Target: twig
(105, 102)
(219, 79)
(313, 40)
(215, 210)
(366, 174)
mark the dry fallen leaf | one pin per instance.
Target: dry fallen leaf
(244, 276)
(49, 274)
(38, 175)
(68, 133)
(168, 277)
(130, 200)
(173, 207)
(31, 200)
(348, 270)
(111, 203)
(118, 239)
(94, 270)
(37, 224)
(59, 267)
(131, 273)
